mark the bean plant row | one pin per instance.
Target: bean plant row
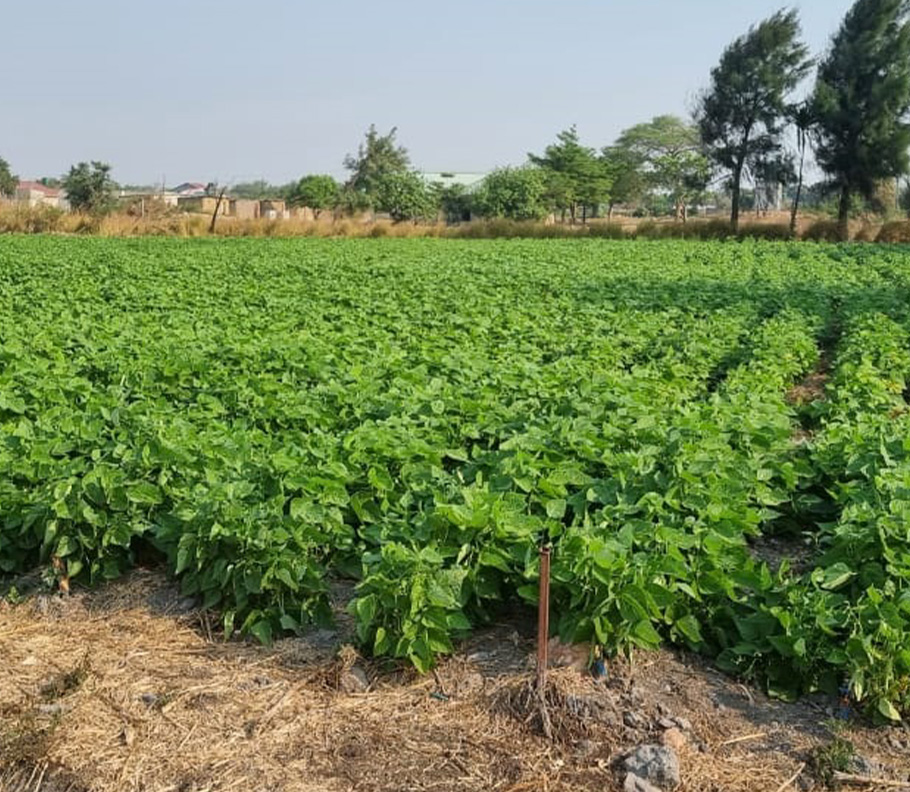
(420, 416)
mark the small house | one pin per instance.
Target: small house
(37, 194)
(244, 208)
(203, 204)
(273, 209)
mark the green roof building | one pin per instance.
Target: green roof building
(470, 181)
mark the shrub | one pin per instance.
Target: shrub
(822, 231)
(607, 231)
(772, 231)
(895, 232)
(868, 233)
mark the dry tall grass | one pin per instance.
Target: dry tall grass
(24, 220)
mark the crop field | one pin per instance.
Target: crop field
(421, 415)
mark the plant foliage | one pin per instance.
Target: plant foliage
(421, 415)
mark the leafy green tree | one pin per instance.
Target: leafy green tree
(454, 201)
(260, 188)
(861, 101)
(317, 192)
(575, 176)
(8, 182)
(512, 193)
(665, 155)
(377, 157)
(741, 116)
(405, 196)
(89, 187)
(627, 178)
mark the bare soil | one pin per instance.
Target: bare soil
(129, 688)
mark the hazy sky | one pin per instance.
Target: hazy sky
(235, 91)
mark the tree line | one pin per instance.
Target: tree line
(755, 123)
(747, 125)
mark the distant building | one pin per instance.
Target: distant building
(166, 198)
(203, 204)
(37, 194)
(189, 190)
(244, 208)
(469, 181)
(460, 210)
(273, 209)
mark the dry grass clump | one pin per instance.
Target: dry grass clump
(897, 232)
(822, 231)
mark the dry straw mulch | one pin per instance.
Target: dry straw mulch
(105, 692)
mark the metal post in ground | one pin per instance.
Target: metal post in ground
(543, 634)
(543, 619)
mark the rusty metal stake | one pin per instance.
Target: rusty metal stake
(543, 619)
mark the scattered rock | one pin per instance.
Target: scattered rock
(634, 783)
(581, 706)
(149, 699)
(633, 720)
(585, 747)
(354, 680)
(657, 764)
(662, 709)
(862, 766)
(589, 707)
(562, 655)
(667, 723)
(31, 660)
(51, 709)
(186, 605)
(684, 723)
(323, 638)
(674, 738)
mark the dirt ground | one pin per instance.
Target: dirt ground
(125, 688)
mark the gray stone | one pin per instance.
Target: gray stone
(582, 706)
(657, 764)
(635, 784)
(666, 723)
(585, 747)
(355, 680)
(684, 723)
(860, 765)
(186, 605)
(633, 720)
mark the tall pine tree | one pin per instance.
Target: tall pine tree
(742, 115)
(861, 101)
